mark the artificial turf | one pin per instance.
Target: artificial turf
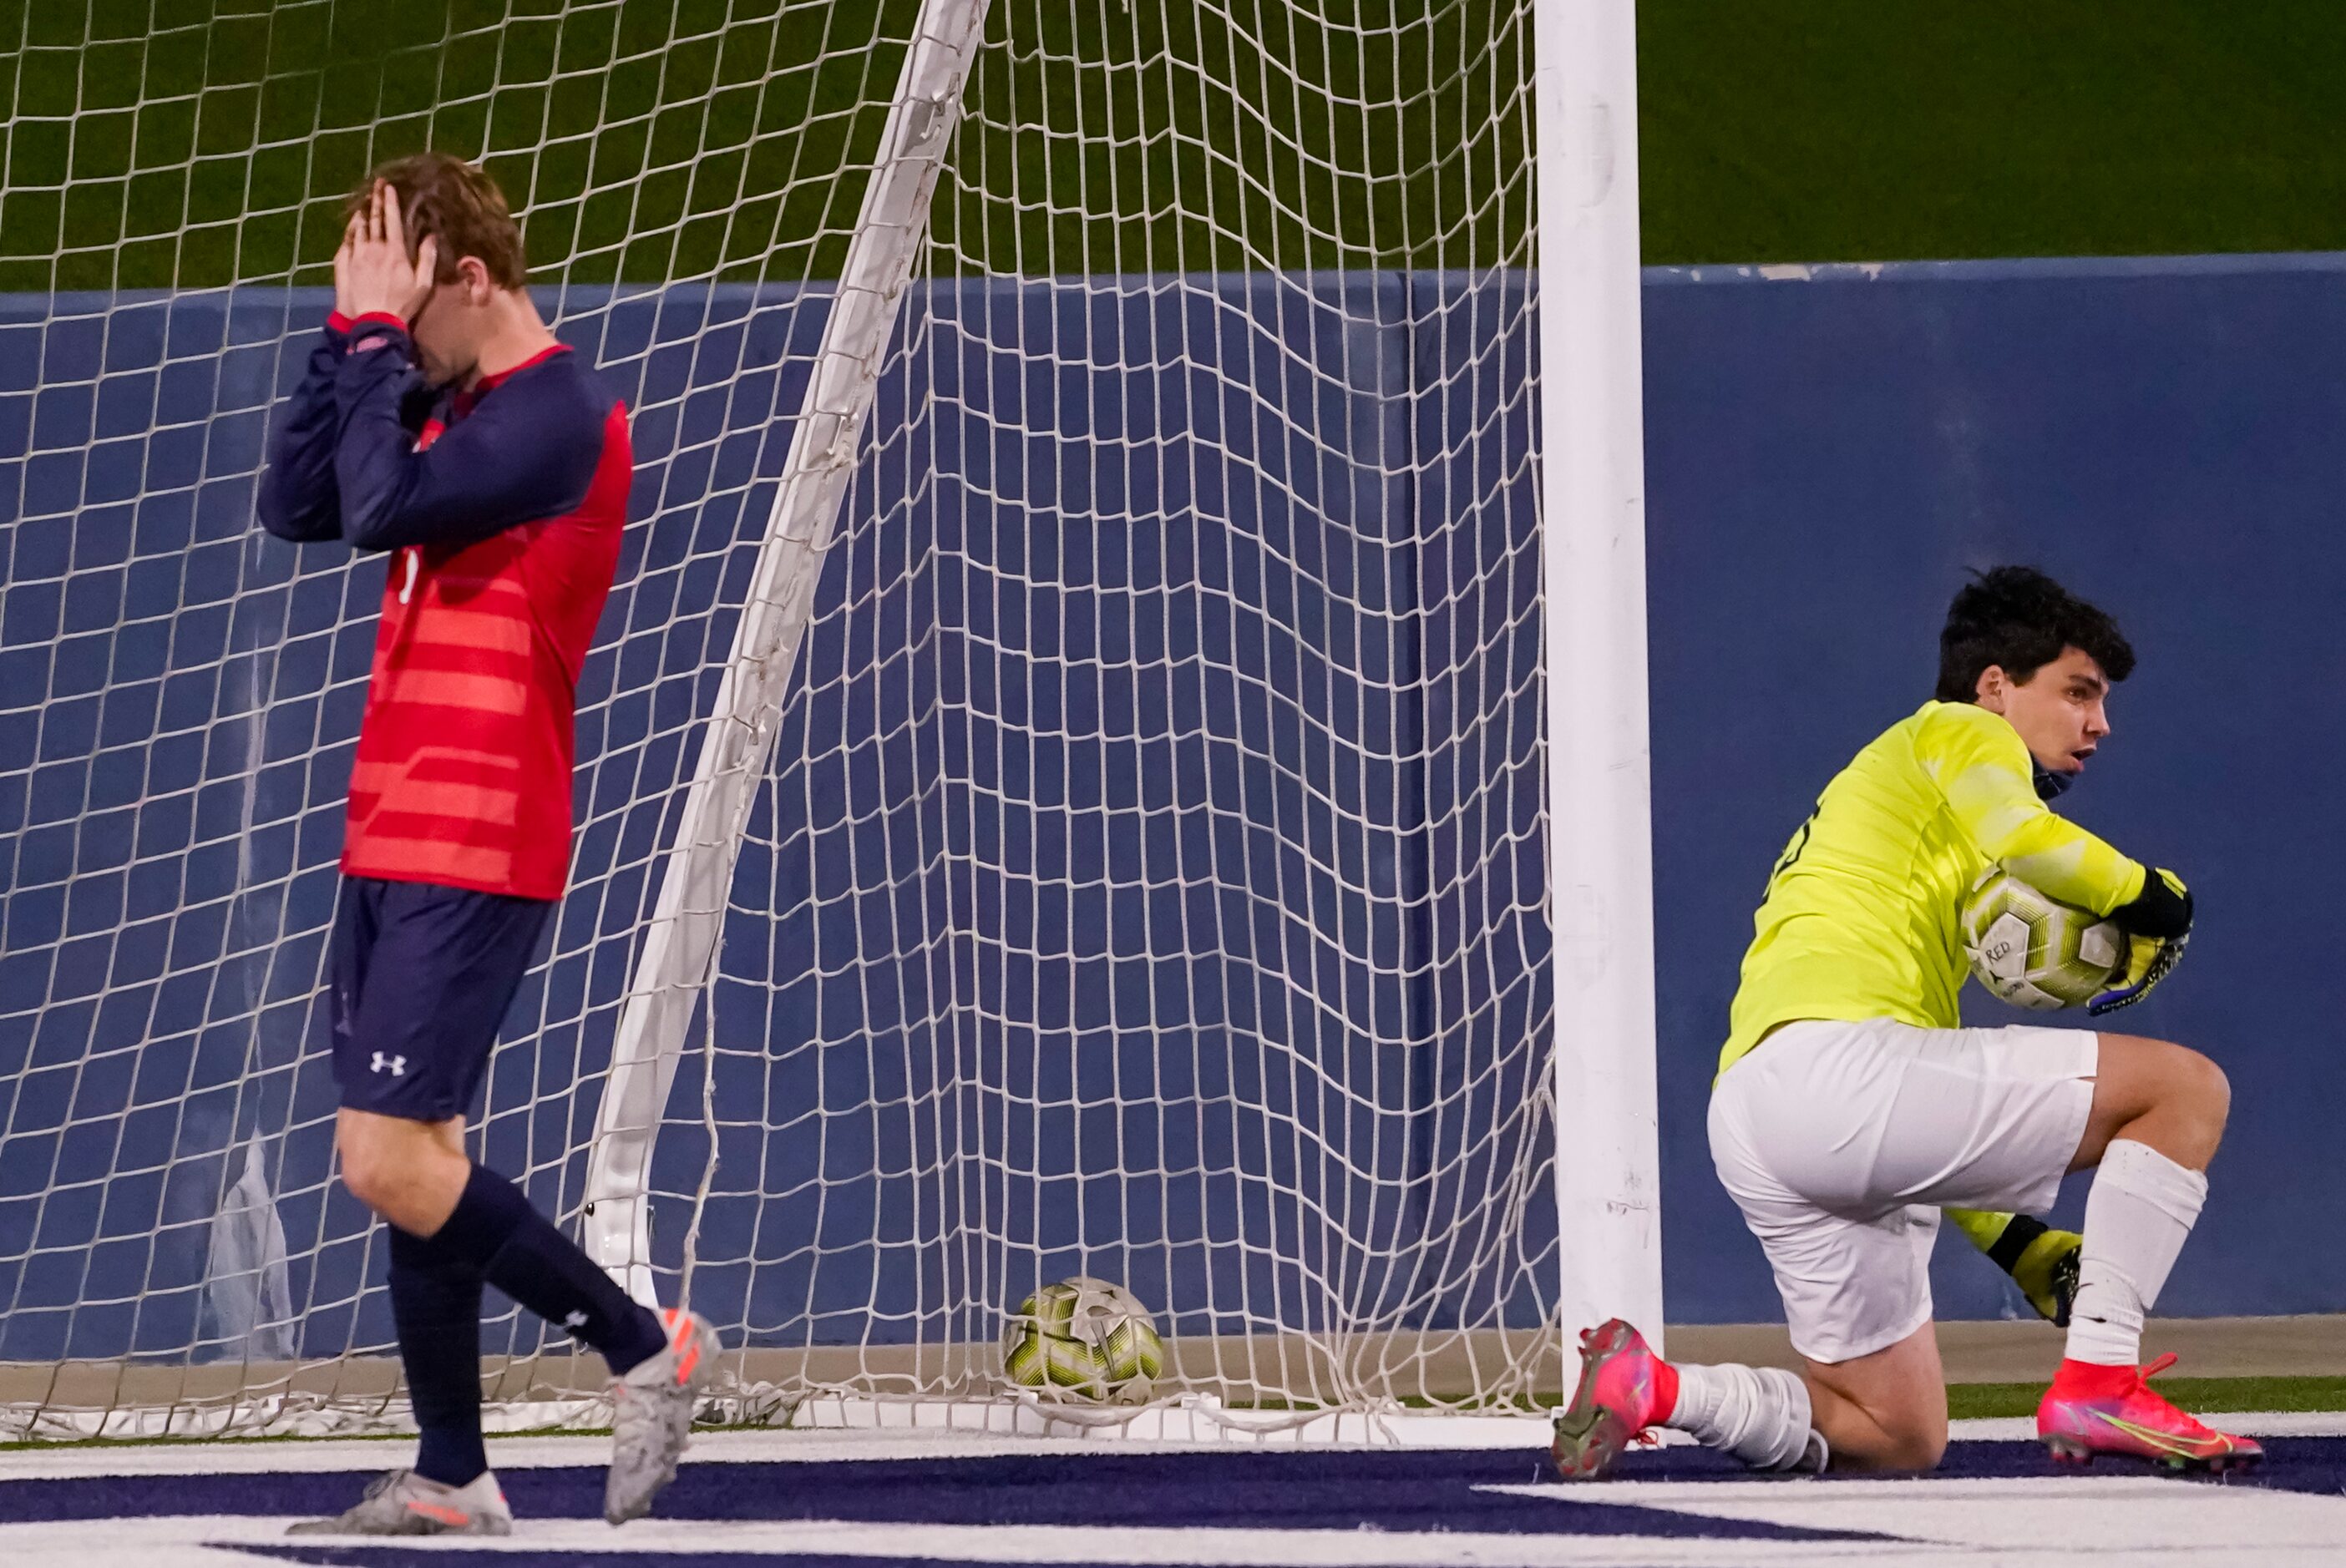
(1798, 131)
(2206, 1394)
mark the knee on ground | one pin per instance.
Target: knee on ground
(1902, 1450)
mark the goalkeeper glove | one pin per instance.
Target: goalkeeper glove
(2158, 926)
(2041, 1260)
(2045, 1268)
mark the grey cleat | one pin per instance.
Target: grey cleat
(655, 1403)
(402, 1503)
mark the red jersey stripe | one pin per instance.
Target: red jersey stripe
(436, 762)
(458, 628)
(435, 859)
(463, 802)
(447, 689)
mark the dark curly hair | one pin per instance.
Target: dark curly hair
(2018, 618)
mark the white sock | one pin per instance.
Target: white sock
(2141, 1207)
(1759, 1414)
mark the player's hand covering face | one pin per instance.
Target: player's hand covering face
(373, 270)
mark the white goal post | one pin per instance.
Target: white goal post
(1118, 747)
(679, 946)
(1593, 522)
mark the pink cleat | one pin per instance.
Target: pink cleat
(1624, 1388)
(2092, 1409)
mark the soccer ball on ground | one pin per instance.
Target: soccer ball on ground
(1084, 1338)
(2032, 950)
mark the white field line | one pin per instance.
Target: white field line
(211, 1542)
(250, 1458)
(2056, 1523)
(2122, 1516)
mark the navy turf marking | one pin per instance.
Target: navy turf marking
(2314, 1464)
(421, 1557)
(1386, 1490)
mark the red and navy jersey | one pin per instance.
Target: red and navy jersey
(504, 504)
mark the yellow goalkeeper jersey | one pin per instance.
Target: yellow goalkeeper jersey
(1860, 920)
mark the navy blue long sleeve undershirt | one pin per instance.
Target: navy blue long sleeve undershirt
(298, 500)
(356, 456)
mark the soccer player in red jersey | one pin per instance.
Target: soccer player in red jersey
(441, 422)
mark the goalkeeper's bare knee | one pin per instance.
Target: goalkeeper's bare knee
(2157, 1093)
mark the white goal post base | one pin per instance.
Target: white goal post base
(1184, 1418)
(278, 1416)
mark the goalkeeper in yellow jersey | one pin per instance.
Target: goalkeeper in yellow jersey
(1850, 1107)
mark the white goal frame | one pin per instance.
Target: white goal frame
(1600, 789)
(1593, 527)
(680, 953)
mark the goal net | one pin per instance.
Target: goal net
(1061, 782)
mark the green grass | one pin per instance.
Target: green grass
(1969, 1400)
(657, 140)
(196, 142)
(2206, 1394)
(1843, 129)
(46, 1445)
(148, 143)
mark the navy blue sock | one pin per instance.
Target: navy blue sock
(518, 1251)
(435, 1300)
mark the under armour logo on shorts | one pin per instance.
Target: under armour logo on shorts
(394, 1065)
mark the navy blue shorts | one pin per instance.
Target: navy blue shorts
(423, 976)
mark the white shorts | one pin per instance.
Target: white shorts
(1840, 1143)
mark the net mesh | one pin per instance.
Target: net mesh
(1148, 881)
